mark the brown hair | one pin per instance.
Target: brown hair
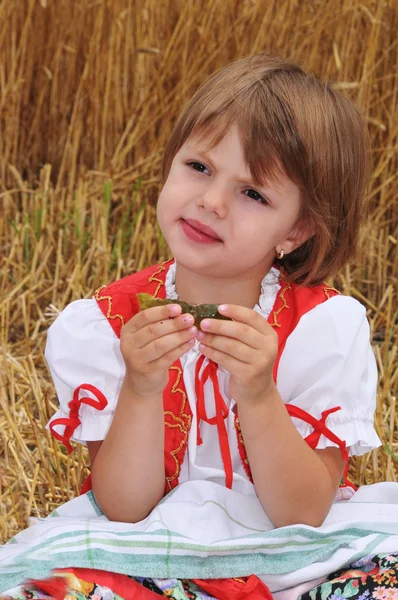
(289, 119)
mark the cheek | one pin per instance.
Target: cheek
(260, 232)
(251, 225)
(174, 194)
(162, 209)
(168, 205)
(165, 197)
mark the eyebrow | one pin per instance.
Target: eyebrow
(251, 181)
(207, 156)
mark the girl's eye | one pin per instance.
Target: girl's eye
(197, 166)
(253, 195)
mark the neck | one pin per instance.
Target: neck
(198, 289)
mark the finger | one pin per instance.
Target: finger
(162, 346)
(152, 315)
(230, 346)
(246, 333)
(168, 359)
(158, 329)
(228, 362)
(239, 332)
(245, 315)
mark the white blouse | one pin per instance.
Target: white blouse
(327, 361)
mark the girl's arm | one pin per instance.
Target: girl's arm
(294, 483)
(128, 471)
(128, 474)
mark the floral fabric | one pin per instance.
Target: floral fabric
(70, 586)
(370, 578)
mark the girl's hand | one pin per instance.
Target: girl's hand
(150, 342)
(246, 347)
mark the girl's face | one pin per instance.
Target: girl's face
(216, 221)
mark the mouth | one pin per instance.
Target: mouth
(201, 230)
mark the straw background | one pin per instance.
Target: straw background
(89, 91)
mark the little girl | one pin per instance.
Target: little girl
(264, 182)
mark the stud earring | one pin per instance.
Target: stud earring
(280, 254)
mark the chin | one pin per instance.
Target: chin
(190, 260)
(202, 267)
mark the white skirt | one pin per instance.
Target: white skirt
(203, 530)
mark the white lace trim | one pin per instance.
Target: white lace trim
(170, 282)
(269, 288)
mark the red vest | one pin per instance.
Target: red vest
(118, 302)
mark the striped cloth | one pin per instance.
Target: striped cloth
(205, 531)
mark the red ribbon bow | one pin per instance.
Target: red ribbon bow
(73, 421)
(210, 371)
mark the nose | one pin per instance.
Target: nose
(215, 199)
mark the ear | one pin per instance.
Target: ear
(296, 238)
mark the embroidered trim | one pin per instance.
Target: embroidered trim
(109, 314)
(179, 422)
(177, 471)
(160, 282)
(275, 313)
(240, 436)
(242, 448)
(330, 292)
(183, 423)
(175, 389)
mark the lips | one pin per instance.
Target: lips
(204, 229)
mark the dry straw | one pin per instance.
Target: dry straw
(88, 93)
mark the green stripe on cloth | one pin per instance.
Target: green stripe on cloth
(165, 565)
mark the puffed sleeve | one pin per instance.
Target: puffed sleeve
(83, 354)
(327, 362)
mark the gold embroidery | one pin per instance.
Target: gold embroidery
(285, 305)
(240, 436)
(160, 282)
(183, 423)
(330, 289)
(176, 389)
(109, 314)
(177, 471)
(180, 423)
